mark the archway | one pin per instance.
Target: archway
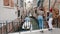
(34, 22)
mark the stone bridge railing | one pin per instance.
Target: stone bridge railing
(10, 27)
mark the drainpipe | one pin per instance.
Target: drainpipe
(17, 8)
(49, 5)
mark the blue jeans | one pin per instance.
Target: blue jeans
(40, 21)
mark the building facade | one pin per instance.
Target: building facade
(7, 10)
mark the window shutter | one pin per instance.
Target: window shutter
(11, 3)
(6, 2)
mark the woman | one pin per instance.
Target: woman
(40, 19)
(50, 21)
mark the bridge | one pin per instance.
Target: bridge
(46, 31)
(15, 28)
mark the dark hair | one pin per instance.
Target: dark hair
(26, 16)
(41, 9)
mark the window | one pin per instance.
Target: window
(8, 3)
(18, 13)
